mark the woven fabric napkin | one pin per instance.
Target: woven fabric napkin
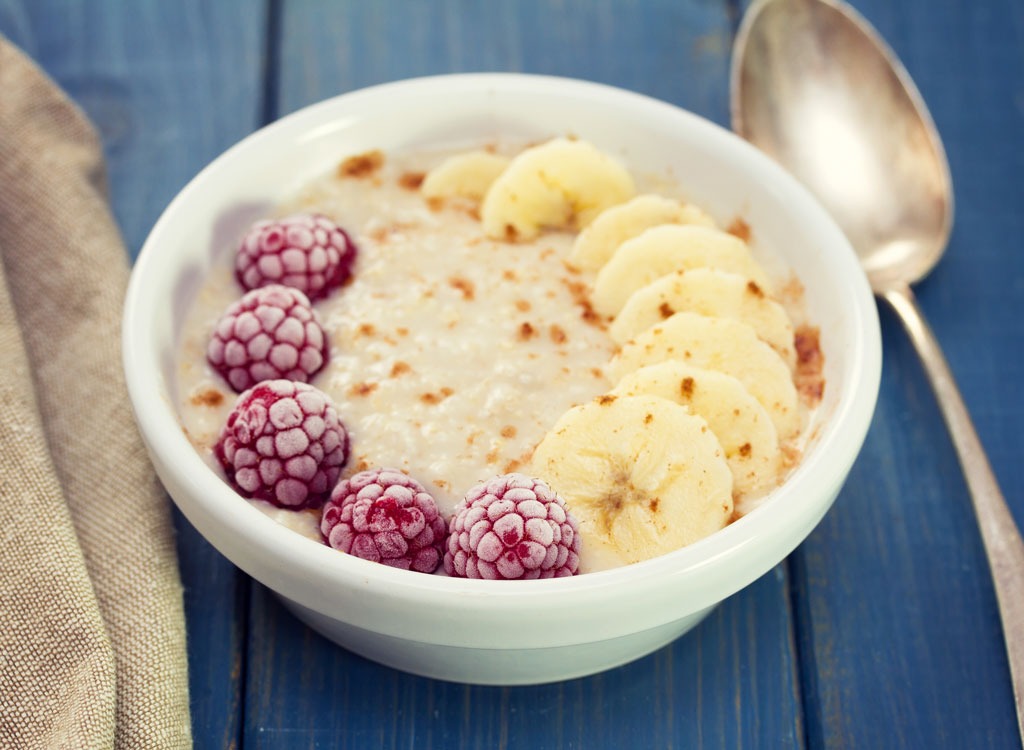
(92, 636)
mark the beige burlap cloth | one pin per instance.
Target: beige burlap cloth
(92, 637)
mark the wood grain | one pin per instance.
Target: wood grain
(729, 683)
(676, 51)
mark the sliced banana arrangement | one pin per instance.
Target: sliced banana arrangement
(710, 292)
(703, 417)
(561, 184)
(742, 425)
(641, 473)
(667, 248)
(467, 175)
(597, 242)
(724, 345)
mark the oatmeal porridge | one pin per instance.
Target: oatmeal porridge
(481, 333)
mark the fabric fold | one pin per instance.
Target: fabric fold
(92, 636)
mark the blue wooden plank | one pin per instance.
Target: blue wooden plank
(732, 682)
(169, 86)
(706, 690)
(895, 609)
(676, 51)
(14, 24)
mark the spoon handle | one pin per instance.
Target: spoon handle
(999, 533)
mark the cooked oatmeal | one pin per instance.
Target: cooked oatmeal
(451, 355)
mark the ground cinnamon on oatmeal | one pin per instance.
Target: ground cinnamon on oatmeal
(361, 165)
(810, 362)
(465, 287)
(411, 180)
(208, 397)
(436, 398)
(362, 389)
(739, 228)
(526, 332)
(591, 316)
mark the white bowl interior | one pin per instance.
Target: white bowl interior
(718, 171)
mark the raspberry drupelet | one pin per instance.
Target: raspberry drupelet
(271, 333)
(512, 527)
(283, 443)
(385, 516)
(306, 251)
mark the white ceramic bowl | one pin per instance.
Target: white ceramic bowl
(484, 631)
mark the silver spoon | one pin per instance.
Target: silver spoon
(815, 87)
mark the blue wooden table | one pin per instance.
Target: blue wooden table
(880, 631)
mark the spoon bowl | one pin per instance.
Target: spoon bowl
(815, 86)
(820, 92)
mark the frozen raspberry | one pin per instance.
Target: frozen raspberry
(271, 333)
(385, 516)
(283, 442)
(510, 527)
(308, 252)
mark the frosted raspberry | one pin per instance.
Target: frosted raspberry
(306, 251)
(510, 527)
(385, 516)
(283, 442)
(271, 333)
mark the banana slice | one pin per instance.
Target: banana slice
(667, 248)
(558, 184)
(641, 474)
(596, 244)
(467, 175)
(740, 423)
(724, 345)
(710, 292)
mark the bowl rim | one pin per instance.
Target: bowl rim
(787, 508)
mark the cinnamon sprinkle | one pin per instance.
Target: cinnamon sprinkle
(810, 363)
(362, 389)
(207, 397)
(465, 286)
(361, 165)
(739, 228)
(436, 398)
(411, 180)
